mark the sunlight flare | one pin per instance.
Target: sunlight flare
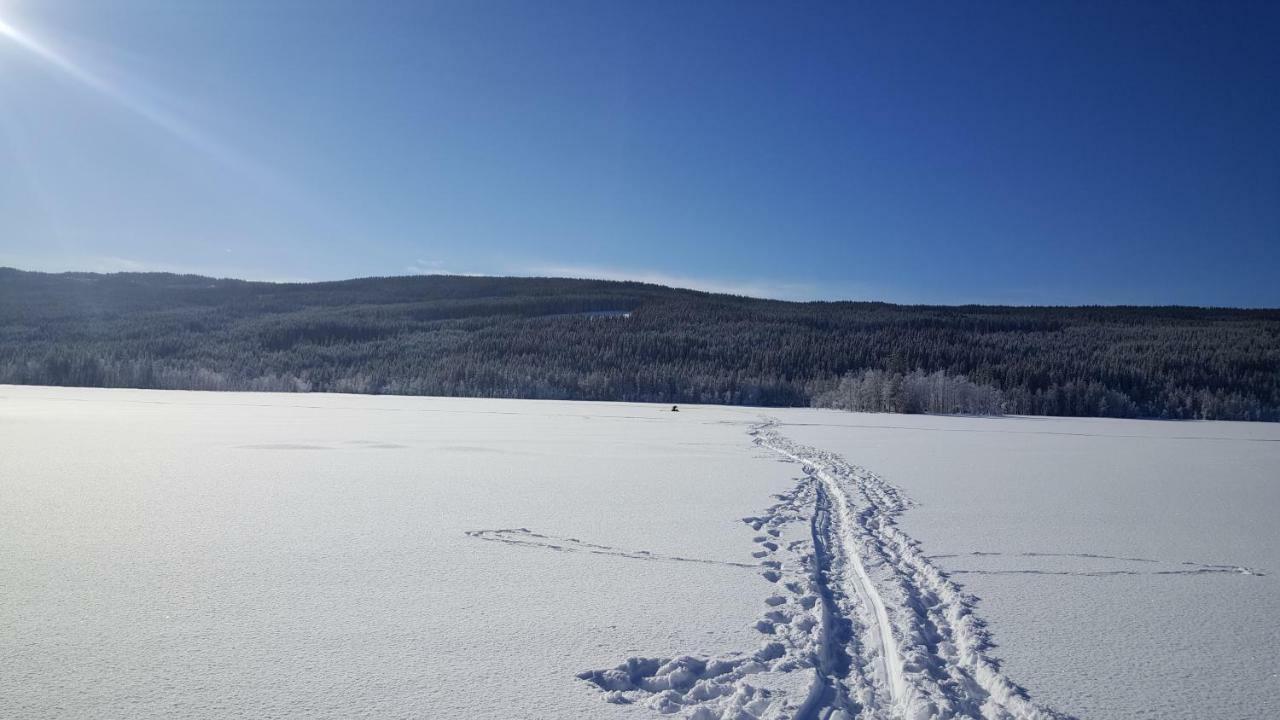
(147, 111)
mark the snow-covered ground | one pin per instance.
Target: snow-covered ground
(176, 554)
(1109, 575)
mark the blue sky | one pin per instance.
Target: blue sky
(1024, 153)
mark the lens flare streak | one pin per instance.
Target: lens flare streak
(155, 116)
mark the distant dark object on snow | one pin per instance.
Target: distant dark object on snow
(675, 408)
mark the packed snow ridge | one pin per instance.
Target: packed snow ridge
(861, 626)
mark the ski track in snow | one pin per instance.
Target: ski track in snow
(861, 625)
(1181, 568)
(527, 538)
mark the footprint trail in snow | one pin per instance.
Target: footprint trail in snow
(860, 625)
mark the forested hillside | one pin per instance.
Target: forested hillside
(601, 340)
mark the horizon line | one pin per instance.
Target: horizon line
(517, 276)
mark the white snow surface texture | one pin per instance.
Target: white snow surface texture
(190, 555)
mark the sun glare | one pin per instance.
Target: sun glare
(8, 30)
(148, 111)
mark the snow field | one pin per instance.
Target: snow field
(175, 554)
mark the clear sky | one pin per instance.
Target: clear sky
(1006, 152)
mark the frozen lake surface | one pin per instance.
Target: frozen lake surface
(179, 554)
(1101, 542)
